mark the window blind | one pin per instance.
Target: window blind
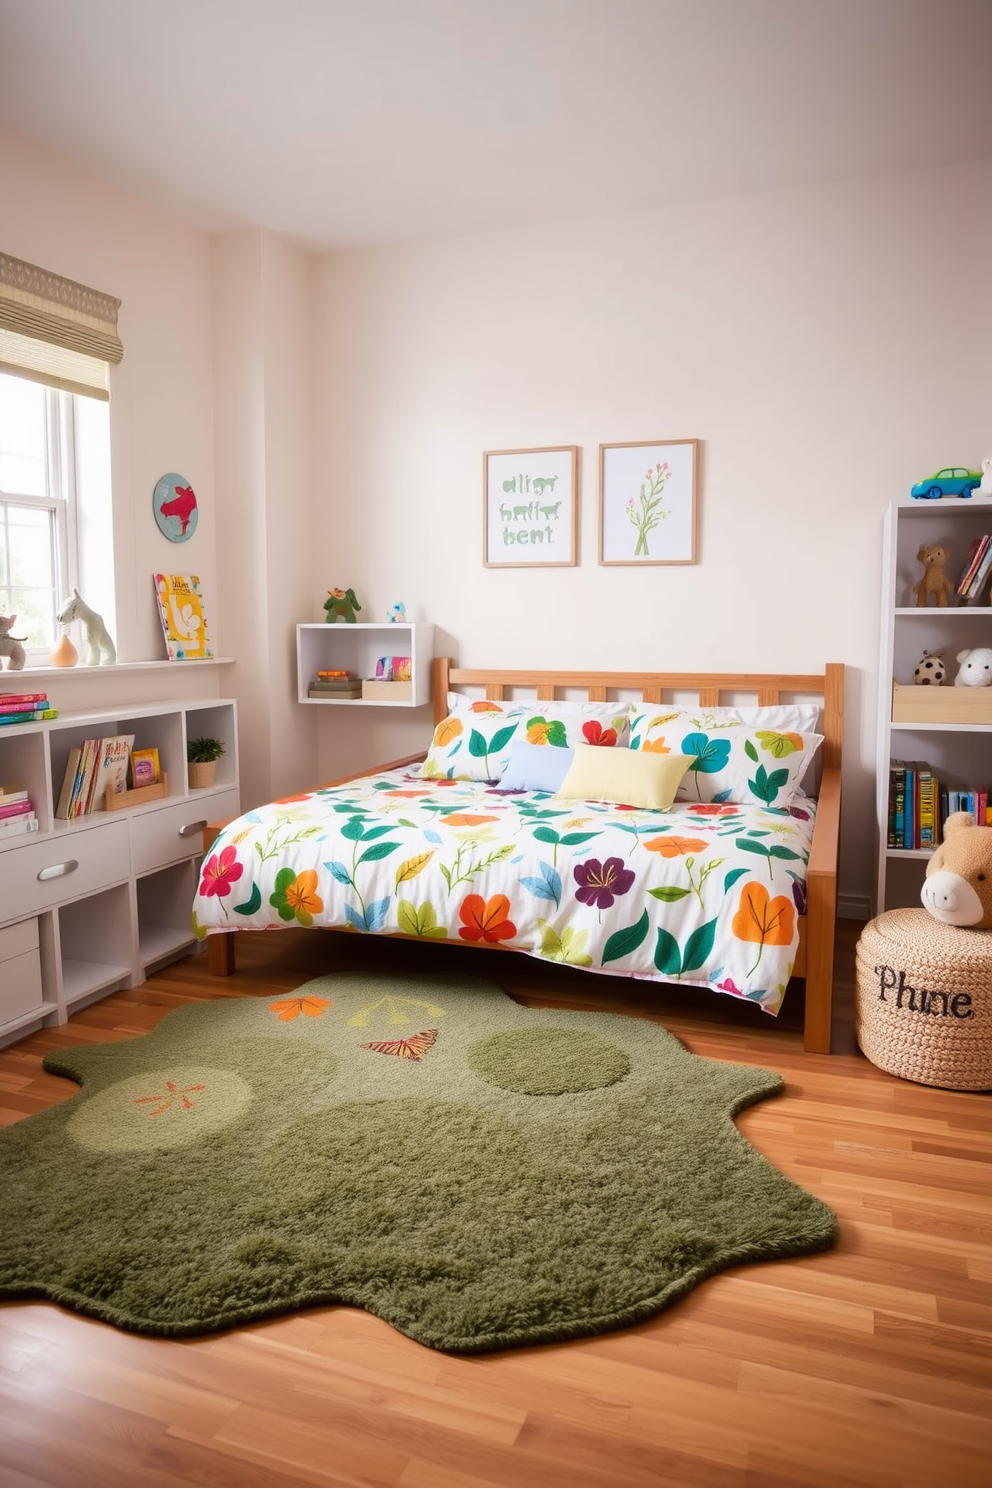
(55, 331)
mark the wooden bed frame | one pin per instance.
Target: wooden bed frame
(815, 956)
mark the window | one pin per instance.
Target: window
(54, 451)
(58, 341)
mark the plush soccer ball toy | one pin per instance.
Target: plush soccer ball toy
(957, 889)
(974, 668)
(931, 670)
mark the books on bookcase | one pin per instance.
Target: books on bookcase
(90, 768)
(25, 707)
(17, 814)
(919, 805)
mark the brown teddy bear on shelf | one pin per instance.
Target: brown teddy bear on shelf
(934, 580)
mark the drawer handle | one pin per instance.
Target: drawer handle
(58, 870)
(192, 829)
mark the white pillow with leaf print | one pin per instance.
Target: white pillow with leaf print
(733, 761)
(477, 745)
(609, 716)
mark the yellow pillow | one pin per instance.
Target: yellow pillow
(627, 777)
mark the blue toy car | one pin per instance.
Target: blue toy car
(954, 481)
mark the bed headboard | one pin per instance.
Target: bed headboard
(706, 689)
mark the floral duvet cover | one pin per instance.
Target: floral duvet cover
(704, 894)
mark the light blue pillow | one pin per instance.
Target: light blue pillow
(538, 767)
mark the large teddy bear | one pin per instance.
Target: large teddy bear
(958, 885)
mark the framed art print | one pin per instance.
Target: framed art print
(647, 502)
(530, 499)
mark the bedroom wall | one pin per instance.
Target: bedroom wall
(75, 224)
(828, 347)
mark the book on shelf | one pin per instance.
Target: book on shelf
(977, 584)
(976, 551)
(17, 826)
(145, 767)
(17, 700)
(14, 808)
(110, 769)
(84, 782)
(34, 717)
(184, 624)
(62, 809)
(8, 797)
(927, 808)
(897, 790)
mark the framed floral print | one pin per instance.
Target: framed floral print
(647, 502)
(530, 499)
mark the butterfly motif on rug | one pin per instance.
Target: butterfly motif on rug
(414, 1047)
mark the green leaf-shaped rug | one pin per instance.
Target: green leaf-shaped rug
(477, 1173)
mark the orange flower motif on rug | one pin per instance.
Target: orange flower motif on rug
(288, 1008)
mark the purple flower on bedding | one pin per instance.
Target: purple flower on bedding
(601, 883)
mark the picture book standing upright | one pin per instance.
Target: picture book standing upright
(184, 624)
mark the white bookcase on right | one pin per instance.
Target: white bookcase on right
(950, 728)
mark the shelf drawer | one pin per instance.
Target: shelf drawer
(176, 832)
(48, 873)
(20, 971)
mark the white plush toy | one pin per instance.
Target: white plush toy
(99, 647)
(974, 668)
(985, 489)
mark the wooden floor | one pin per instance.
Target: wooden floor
(870, 1365)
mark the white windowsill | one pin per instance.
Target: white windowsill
(7, 678)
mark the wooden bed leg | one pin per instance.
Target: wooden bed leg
(819, 965)
(220, 954)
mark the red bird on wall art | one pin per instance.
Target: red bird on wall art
(175, 507)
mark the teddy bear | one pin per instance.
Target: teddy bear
(934, 580)
(10, 645)
(957, 889)
(974, 668)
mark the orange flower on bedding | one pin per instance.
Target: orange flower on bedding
(655, 746)
(675, 847)
(763, 920)
(486, 919)
(447, 729)
(485, 706)
(465, 819)
(288, 1008)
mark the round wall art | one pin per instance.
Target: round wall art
(174, 501)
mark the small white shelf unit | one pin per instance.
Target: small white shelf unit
(356, 648)
(960, 753)
(93, 905)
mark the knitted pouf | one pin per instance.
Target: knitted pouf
(924, 1000)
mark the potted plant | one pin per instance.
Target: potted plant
(202, 756)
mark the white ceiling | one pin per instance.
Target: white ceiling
(341, 123)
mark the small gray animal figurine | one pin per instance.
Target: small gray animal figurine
(10, 645)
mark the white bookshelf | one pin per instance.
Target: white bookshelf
(960, 753)
(91, 906)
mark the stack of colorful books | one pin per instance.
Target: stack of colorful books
(335, 684)
(16, 814)
(25, 707)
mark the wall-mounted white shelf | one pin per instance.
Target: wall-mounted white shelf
(356, 649)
